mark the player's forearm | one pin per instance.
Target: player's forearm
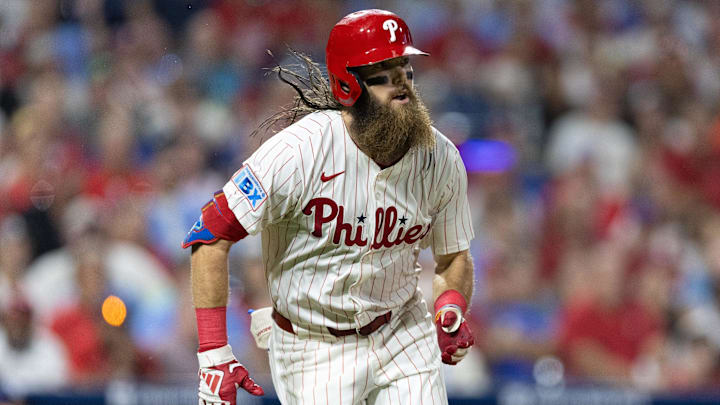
(454, 272)
(209, 274)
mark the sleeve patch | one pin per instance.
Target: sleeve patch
(248, 184)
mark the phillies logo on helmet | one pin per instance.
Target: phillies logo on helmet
(391, 26)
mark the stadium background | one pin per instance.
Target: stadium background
(590, 131)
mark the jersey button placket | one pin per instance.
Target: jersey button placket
(379, 186)
(366, 258)
(373, 203)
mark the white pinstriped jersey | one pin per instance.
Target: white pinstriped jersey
(341, 235)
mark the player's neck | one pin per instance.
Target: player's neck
(347, 120)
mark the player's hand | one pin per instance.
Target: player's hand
(454, 334)
(220, 377)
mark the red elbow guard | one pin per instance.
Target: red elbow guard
(217, 221)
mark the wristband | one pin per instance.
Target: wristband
(212, 330)
(451, 297)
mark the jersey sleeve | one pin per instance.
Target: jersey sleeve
(452, 228)
(267, 186)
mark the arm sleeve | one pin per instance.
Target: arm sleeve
(266, 188)
(452, 229)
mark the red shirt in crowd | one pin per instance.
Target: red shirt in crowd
(623, 331)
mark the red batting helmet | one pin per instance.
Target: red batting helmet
(363, 38)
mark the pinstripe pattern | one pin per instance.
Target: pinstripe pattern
(341, 237)
(398, 364)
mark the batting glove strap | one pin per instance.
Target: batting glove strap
(216, 357)
(443, 317)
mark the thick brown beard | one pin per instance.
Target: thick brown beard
(385, 133)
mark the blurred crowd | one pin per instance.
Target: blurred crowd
(590, 130)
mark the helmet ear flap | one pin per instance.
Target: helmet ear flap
(347, 87)
(360, 82)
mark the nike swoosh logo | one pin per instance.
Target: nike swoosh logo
(325, 178)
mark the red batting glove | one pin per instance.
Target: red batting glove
(454, 334)
(220, 377)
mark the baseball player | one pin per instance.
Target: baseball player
(345, 198)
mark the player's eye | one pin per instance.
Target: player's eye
(385, 79)
(377, 80)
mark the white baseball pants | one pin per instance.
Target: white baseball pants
(397, 364)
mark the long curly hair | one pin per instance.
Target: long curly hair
(311, 85)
